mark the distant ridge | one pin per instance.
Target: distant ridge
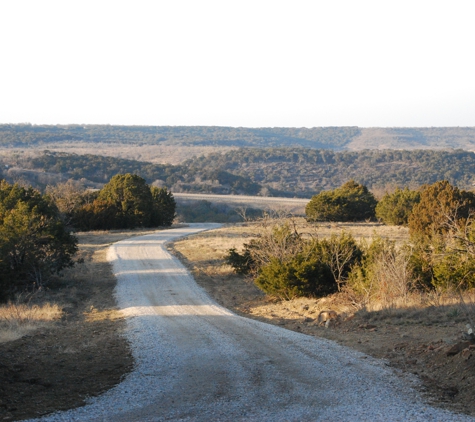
(335, 138)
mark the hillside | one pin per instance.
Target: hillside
(290, 172)
(36, 135)
(306, 171)
(335, 138)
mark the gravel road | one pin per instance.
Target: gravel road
(196, 361)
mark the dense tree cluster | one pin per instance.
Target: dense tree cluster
(189, 178)
(126, 202)
(318, 137)
(34, 241)
(350, 202)
(269, 171)
(322, 137)
(35, 229)
(304, 172)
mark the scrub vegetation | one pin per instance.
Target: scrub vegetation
(36, 230)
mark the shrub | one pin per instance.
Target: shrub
(241, 263)
(163, 207)
(441, 205)
(454, 270)
(340, 253)
(441, 264)
(350, 202)
(395, 208)
(301, 276)
(34, 242)
(287, 265)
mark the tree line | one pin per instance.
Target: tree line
(37, 230)
(302, 172)
(336, 138)
(284, 172)
(320, 137)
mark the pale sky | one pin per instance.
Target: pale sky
(259, 63)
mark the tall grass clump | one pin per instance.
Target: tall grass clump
(384, 276)
(17, 319)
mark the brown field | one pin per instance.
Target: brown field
(158, 154)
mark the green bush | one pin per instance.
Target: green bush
(350, 202)
(440, 263)
(34, 241)
(163, 207)
(301, 276)
(131, 197)
(287, 265)
(99, 215)
(454, 271)
(395, 208)
(241, 263)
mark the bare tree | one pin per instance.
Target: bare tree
(67, 196)
(340, 254)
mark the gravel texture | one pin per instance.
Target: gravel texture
(197, 361)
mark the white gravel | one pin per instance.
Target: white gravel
(196, 361)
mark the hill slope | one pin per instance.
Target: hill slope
(287, 172)
(336, 138)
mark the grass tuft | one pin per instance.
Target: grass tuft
(18, 319)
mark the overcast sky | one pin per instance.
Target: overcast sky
(259, 63)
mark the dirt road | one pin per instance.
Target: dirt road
(198, 361)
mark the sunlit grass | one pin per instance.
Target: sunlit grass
(94, 315)
(18, 319)
(26, 314)
(206, 254)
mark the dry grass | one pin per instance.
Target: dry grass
(18, 319)
(219, 241)
(27, 314)
(160, 154)
(96, 315)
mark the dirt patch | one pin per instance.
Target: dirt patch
(59, 365)
(427, 343)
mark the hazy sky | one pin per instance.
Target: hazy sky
(238, 63)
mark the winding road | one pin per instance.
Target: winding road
(197, 361)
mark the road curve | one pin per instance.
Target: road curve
(196, 361)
